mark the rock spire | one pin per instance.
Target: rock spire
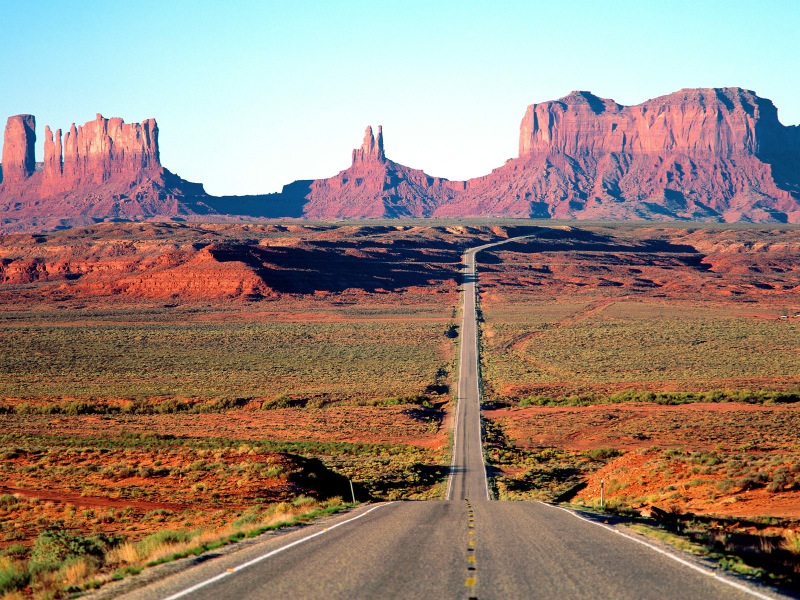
(19, 162)
(371, 149)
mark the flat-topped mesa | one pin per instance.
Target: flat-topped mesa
(371, 149)
(19, 161)
(721, 121)
(98, 150)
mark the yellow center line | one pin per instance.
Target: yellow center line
(471, 580)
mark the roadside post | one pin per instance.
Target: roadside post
(602, 494)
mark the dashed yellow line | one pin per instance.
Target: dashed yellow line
(471, 580)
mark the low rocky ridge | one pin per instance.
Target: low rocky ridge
(716, 154)
(137, 262)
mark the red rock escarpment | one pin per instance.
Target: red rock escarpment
(723, 122)
(703, 154)
(100, 149)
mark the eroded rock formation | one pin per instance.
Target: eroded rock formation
(703, 154)
(372, 148)
(376, 187)
(104, 169)
(717, 154)
(723, 122)
(19, 162)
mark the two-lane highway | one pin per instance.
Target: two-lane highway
(468, 471)
(466, 547)
(468, 478)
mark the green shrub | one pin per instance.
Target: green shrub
(282, 401)
(303, 501)
(53, 547)
(752, 481)
(16, 551)
(725, 485)
(601, 454)
(7, 500)
(12, 577)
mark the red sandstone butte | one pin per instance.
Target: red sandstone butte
(104, 169)
(717, 154)
(376, 187)
(698, 154)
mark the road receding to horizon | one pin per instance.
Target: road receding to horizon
(467, 546)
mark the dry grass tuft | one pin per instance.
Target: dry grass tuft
(791, 542)
(124, 554)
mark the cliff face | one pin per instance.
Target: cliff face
(698, 154)
(701, 154)
(18, 149)
(376, 187)
(722, 122)
(102, 148)
(104, 169)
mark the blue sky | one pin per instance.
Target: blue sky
(252, 95)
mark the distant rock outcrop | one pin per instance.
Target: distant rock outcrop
(717, 154)
(376, 187)
(371, 149)
(103, 170)
(701, 154)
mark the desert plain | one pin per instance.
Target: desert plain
(168, 387)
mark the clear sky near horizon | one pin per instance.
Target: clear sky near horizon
(252, 95)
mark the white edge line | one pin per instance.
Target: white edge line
(258, 559)
(683, 561)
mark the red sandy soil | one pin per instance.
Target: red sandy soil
(700, 426)
(603, 263)
(141, 263)
(763, 437)
(641, 476)
(52, 495)
(87, 490)
(355, 424)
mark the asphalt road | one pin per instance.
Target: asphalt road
(468, 471)
(464, 547)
